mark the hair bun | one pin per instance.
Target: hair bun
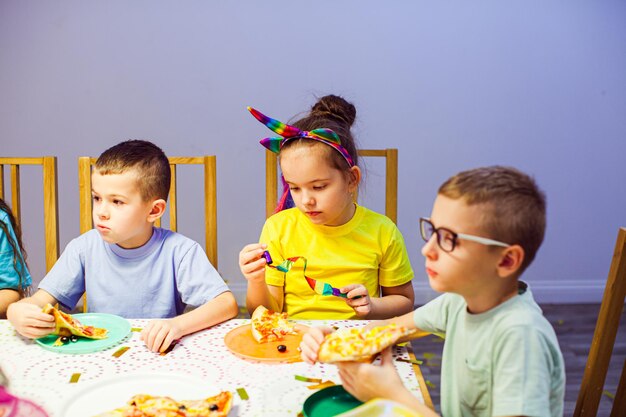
(336, 107)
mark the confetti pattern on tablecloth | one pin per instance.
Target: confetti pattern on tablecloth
(49, 369)
(43, 376)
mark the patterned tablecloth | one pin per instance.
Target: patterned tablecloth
(273, 390)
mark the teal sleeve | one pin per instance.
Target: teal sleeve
(9, 275)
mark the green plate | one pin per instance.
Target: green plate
(329, 402)
(117, 326)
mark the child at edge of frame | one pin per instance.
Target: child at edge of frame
(15, 279)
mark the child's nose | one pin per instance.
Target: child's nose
(430, 248)
(308, 199)
(102, 212)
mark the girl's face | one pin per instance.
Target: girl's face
(322, 192)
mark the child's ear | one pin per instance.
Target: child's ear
(510, 261)
(354, 178)
(157, 210)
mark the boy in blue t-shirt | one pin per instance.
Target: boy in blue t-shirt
(126, 265)
(501, 356)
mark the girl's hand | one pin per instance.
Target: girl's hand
(158, 335)
(311, 342)
(252, 263)
(358, 299)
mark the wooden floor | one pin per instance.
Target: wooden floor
(574, 325)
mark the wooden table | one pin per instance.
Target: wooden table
(52, 379)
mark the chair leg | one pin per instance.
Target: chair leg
(619, 402)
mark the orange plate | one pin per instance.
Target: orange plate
(240, 341)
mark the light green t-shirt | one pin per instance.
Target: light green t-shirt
(368, 249)
(504, 362)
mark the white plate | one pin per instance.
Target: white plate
(111, 393)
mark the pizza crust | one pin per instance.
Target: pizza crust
(359, 344)
(268, 326)
(143, 405)
(256, 317)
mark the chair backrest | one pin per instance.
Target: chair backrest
(208, 162)
(209, 190)
(391, 180)
(604, 338)
(50, 202)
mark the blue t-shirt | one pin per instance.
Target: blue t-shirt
(503, 362)
(156, 280)
(9, 276)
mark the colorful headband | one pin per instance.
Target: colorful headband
(288, 133)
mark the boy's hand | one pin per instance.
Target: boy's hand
(158, 335)
(311, 342)
(366, 381)
(252, 263)
(358, 299)
(29, 320)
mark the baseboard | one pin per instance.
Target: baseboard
(545, 292)
(567, 291)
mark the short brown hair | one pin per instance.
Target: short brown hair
(515, 207)
(147, 159)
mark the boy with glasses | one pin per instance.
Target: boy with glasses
(501, 357)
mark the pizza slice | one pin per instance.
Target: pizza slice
(66, 326)
(216, 406)
(360, 344)
(144, 405)
(268, 326)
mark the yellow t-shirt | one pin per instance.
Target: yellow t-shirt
(367, 250)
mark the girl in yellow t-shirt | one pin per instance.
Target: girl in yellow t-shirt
(355, 250)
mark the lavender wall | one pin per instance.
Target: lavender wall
(540, 85)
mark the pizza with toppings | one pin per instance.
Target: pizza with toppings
(66, 326)
(144, 405)
(360, 344)
(269, 326)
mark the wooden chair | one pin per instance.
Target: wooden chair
(391, 180)
(604, 338)
(210, 199)
(50, 202)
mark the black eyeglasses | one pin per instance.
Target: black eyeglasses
(446, 238)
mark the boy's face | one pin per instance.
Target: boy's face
(471, 267)
(119, 212)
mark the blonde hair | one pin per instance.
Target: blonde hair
(514, 206)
